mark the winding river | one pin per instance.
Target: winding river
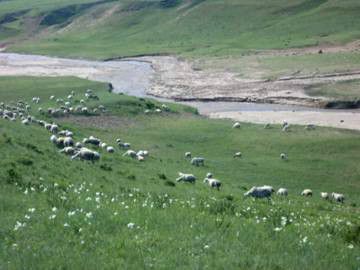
(135, 77)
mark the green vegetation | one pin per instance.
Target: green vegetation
(121, 213)
(104, 29)
(348, 90)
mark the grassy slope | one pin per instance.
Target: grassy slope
(176, 227)
(192, 28)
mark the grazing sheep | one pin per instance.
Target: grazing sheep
(212, 182)
(142, 153)
(140, 158)
(69, 97)
(307, 193)
(92, 140)
(324, 195)
(118, 141)
(338, 197)
(78, 145)
(68, 150)
(84, 110)
(236, 125)
(188, 155)
(53, 139)
(270, 188)
(197, 161)
(237, 155)
(282, 192)
(54, 128)
(259, 192)
(86, 154)
(209, 175)
(52, 97)
(68, 141)
(25, 122)
(158, 110)
(103, 145)
(283, 156)
(110, 149)
(186, 178)
(40, 110)
(147, 111)
(82, 101)
(124, 145)
(130, 153)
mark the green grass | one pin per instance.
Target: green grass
(348, 90)
(177, 225)
(190, 28)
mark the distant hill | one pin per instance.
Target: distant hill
(109, 28)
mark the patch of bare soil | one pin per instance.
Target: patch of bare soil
(100, 122)
(177, 79)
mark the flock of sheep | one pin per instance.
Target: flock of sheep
(64, 139)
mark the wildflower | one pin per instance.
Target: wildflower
(351, 246)
(18, 225)
(88, 199)
(97, 199)
(71, 213)
(206, 247)
(131, 225)
(26, 191)
(31, 210)
(277, 229)
(66, 225)
(27, 216)
(115, 213)
(54, 209)
(89, 215)
(52, 217)
(56, 184)
(32, 189)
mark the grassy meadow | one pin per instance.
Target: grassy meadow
(105, 29)
(119, 213)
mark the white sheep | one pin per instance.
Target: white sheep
(212, 182)
(236, 125)
(110, 149)
(283, 156)
(86, 154)
(25, 122)
(307, 193)
(68, 150)
(184, 177)
(53, 139)
(270, 188)
(324, 195)
(188, 155)
(78, 145)
(130, 153)
(68, 141)
(282, 192)
(124, 145)
(158, 110)
(338, 197)
(209, 175)
(103, 145)
(237, 155)
(197, 161)
(52, 97)
(92, 140)
(259, 192)
(54, 128)
(142, 153)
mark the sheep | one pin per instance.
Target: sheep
(165, 107)
(54, 128)
(212, 182)
(158, 110)
(68, 141)
(92, 140)
(197, 161)
(67, 104)
(78, 145)
(324, 195)
(237, 155)
(270, 188)
(68, 150)
(258, 192)
(118, 141)
(124, 145)
(86, 154)
(188, 155)
(53, 139)
(283, 156)
(140, 158)
(25, 122)
(103, 145)
(142, 153)
(267, 126)
(338, 197)
(82, 101)
(285, 123)
(51, 97)
(69, 97)
(84, 110)
(236, 125)
(130, 153)
(40, 110)
(186, 178)
(110, 149)
(307, 193)
(66, 133)
(209, 175)
(282, 192)
(47, 126)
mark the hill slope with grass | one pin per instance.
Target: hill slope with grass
(109, 28)
(121, 213)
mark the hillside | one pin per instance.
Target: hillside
(108, 28)
(121, 213)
